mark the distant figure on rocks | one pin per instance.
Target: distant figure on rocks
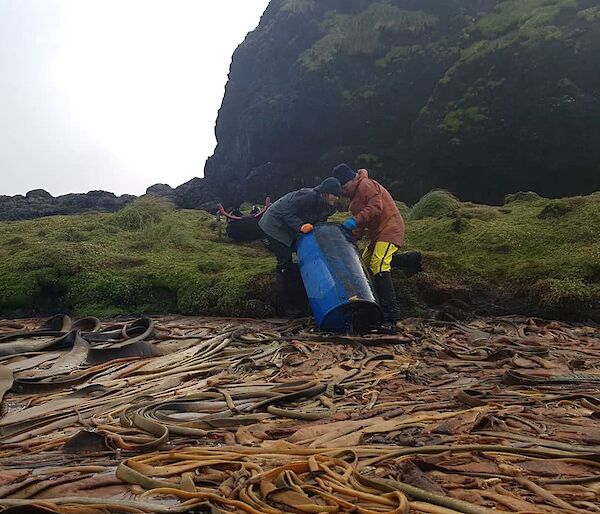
(374, 210)
(289, 217)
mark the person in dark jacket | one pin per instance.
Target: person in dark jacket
(374, 212)
(289, 217)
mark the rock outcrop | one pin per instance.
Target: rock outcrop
(38, 203)
(163, 190)
(195, 194)
(483, 97)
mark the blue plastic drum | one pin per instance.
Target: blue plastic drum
(341, 296)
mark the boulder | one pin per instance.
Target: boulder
(41, 194)
(163, 190)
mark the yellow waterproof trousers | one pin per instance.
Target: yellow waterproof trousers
(378, 258)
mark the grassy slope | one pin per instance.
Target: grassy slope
(149, 258)
(531, 251)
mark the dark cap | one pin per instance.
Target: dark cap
(343, 173)
(330, 186)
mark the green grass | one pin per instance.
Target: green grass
(541, 253)
(147, 258)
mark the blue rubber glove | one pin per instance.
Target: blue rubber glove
(349, 224)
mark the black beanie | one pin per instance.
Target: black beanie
(343, 173)
(330, 186)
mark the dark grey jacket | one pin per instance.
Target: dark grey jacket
(283, 219)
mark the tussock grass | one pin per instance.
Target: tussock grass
(141, 213)
(549, 262)
(179, 261)
(147, 258)
(434, 205)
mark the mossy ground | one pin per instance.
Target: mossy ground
(539, 254)
(531, 253)
(147, 258)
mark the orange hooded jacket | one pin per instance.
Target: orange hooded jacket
(375, 210)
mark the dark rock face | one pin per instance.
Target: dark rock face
(164, 190)
(38, 203)
(196, 194)
(40, 194)
(483, 97)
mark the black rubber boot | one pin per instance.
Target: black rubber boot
(290, 293)
(387, 297)
(409, 262)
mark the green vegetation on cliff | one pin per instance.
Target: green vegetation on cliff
(524, 23)
(299, 6)
(534, 254)
(590, 15)
(520, 14)
(363, 33)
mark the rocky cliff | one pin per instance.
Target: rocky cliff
(483, 97)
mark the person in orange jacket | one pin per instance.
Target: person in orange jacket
(374, 212)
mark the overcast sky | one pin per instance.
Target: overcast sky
(113, 94)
